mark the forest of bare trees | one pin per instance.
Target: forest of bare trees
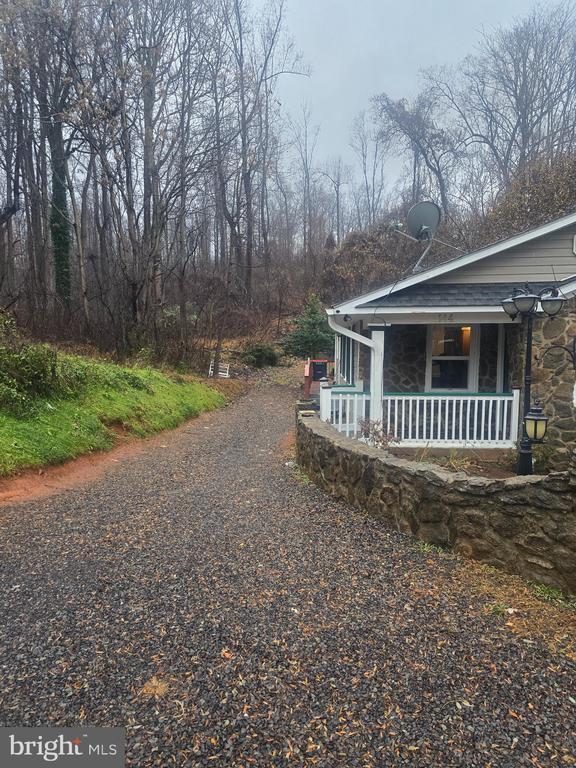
(153, 194)
(144, 194)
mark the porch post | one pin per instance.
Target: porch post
(377, 375)
(325, 401)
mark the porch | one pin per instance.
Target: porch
(438, 385)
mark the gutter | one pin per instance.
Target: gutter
(337, 328)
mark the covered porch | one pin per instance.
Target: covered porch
(439, 381)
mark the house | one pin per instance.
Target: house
(436, 359)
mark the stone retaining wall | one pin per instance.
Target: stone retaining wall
(524, 525)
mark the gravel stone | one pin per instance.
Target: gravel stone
(227, 613)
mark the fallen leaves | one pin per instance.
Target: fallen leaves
(154, 688)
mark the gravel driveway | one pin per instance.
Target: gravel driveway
(228, 614)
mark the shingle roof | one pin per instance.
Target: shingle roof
(451, 295)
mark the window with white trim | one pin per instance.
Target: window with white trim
(347, 360)
(452, 360)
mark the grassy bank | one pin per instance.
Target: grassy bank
(91, 403)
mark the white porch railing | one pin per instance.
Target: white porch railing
(345, 409)
(427, 419)
(478, 420)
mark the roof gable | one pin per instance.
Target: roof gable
(454, 271)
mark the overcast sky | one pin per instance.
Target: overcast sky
(358, 48)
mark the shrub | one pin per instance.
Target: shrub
(29, 372)
(13, 400)
(311, 336)
(118, 378)
(144, 357)
(8, 330)
(376, 433)
(72, 376)
(260, 355)
(30, 368)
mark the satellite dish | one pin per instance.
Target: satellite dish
(423, 220)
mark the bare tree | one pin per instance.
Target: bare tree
(370, 146)
(433, 148)
(516, 99)
(337, 175)
(305, 140)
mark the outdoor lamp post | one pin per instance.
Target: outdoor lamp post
(534, 424)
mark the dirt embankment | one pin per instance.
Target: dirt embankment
(37, 483)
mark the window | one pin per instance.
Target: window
(347, 361)
(452, 358)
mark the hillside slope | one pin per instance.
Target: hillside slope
(83, 405)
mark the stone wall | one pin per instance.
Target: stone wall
(524, 525)
(553, 378)
(488, 363)
(553, 381)
(405, 358)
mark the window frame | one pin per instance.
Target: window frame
(347, 362)
(473, 358)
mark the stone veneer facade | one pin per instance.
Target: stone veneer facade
(523, 525)
(405, 358)
(553, 380)
(488, 362)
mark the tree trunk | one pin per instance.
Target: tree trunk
(59, 221)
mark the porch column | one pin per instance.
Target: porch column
(377, 375)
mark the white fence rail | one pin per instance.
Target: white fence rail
(223, 370)
(478, 420)
(443, 420)
(345, 410)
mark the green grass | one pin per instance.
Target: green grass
(138, 401)
(428, 549)
(500, 609)
(553, 595)
(300, 475)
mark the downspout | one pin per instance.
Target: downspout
(351, 334)
(376, 363)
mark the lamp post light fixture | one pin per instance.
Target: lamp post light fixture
(534, 424)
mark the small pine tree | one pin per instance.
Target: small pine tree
(330, 244)
(311, 335)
